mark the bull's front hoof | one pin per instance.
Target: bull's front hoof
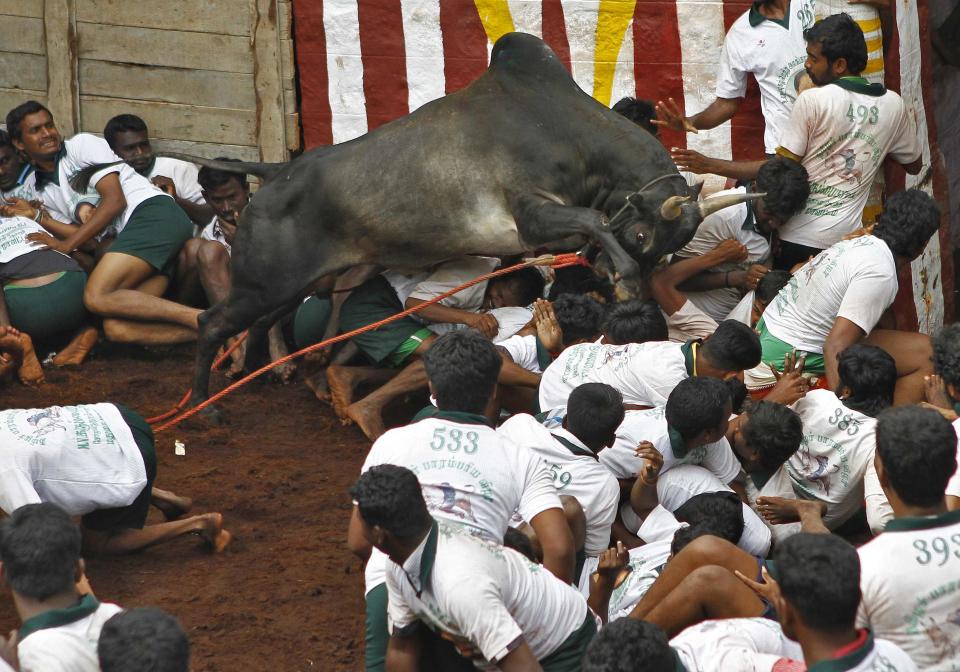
(210, 416)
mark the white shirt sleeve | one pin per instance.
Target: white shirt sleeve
(721, 461)
(796, 132)
(731, 77)
(867, 297)
(451, 275)
(538, 493)
(523, 351)
(399, 614)
(906, 146)
(88, 150)
(879, 511)
(16, 490)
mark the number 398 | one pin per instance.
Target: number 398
(938, 548)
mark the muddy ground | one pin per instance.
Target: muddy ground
(286, 594)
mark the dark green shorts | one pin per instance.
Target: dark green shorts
(156, 231)
(373, 301)
(133, 515)
(310, 321)
(774, 350)
(376, 633)
(48, 310)
(569, 656)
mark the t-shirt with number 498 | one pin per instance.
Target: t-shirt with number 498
(843, 131)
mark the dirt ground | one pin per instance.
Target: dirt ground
(286, 594)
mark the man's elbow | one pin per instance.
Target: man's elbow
(914, 167)
(559, 555)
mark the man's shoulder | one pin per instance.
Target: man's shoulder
(81, 142)
(165, 165)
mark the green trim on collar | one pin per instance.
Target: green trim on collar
(689, 358)
(678, 665)
(956, 408)
(847, 661)
(574, 448)
(677, 444)
(55, 618)
(923, 522)
(860, 85)
(544, 359)
(52, 177)
(755, 17)
(429, 555)
(428, 411)
(760, 477)
(463, 418)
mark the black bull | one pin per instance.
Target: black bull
(521, 159)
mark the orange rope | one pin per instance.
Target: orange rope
(557, 261)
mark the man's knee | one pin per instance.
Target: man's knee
(707, 551)
(710, 579)
(211, 255)
(187, 257)
(95, 299)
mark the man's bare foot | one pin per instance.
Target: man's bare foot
(78, 349)
(30, 372)
(211, 529)
(780, 510)
(935, 392)
(278, 350)
(318, 384)
(367, 418)
(172, 506)
(236, 358)
(341, 382)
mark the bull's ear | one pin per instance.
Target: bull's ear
(636, 200)
(695, 191)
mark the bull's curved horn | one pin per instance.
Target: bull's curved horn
(670, 210)
(710, 205)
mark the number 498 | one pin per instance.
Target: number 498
(866, 115)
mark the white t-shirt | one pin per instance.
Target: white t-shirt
(834, 463)
(646, 562)
(953, 485)
(471, 476)
(482, 593)
(71, 647)
(524, 352)
(13, 237)
(774, 54)
(578, 474)
(81, 151)
(910, 580)
(26, 188)
(81, 458)
(734, 645)
(651, 425)
(644, 373)
(184, 176)
(855, 279)
(212, 231)
(843, 137)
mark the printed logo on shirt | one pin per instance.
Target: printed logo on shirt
(450, 502)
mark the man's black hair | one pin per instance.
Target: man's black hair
(770, 285)
(146, 639)
(819, 576)
(696, 405)
(839, 36)
(738, 394)
(634, 321)
(918, 449)
(16, 115)
(733, 347)
(39, 549)
(907, 222)
(628, 645)
(871, 375)
(774, 430)
(946, 354)
(5, 140)
(594, 411)
(391, 497)
(518, 541)
(463, 367)
(579, 317)
(786, 184)
(527, 284)
(123, 123)
(639, 111)
(720, 513)
(579, 280)
(211, 178)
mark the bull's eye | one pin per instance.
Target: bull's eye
(641, 236)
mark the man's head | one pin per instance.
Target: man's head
(946, 358)
(639, 111)
(732, 348)
(699, 409)
(717, 513)
(579, 317)
(868, 376)
(787, 186)
(634, 321)
(33, 131)
(767, 289)
(40, 551)
(766, 436)
(580, 280)
(11, 164)
(391, 508)
(143, 640)
(916, 455)
(462, 367)
(127, 136)
(626, 645)
(594, 411)
(520, 288)
(818, 576)
(835, 48)
(907, 222)
(227, 193)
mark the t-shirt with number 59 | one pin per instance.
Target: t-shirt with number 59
(843, 131)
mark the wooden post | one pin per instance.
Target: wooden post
(60, 34)
(271, 133)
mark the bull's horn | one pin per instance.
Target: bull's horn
(670, 210)
(710, 205)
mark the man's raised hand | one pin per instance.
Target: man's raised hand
(791, 385)
(548, 328)
(165, 184)
(652, 462)
(691, 161)
(613, 561)
(485, 323)
(670, 116)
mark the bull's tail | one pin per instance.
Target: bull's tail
(80, 180)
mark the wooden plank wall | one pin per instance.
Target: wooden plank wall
(211, 78)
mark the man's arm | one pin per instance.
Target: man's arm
(112, 203)
(844, 334)
(520, 660)
(199, 213)
(914, 167)
(403, 653)
(717, 112)
(438, 313)
(556, 540)
(663, 283)
(695, 162)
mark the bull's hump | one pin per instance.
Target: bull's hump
(523, 55)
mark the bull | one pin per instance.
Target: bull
(521, 159)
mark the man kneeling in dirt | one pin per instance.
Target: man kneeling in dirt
(96, 461)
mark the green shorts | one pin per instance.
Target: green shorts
(156, 231)
(391, 343)
(133, 515)
(376, 634)
(569, 657)
(774, 350)
(48, 310)
(310, 321)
